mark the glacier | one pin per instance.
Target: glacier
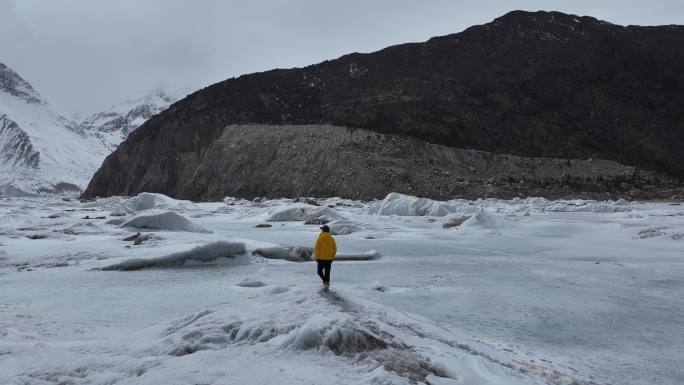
(520, 293)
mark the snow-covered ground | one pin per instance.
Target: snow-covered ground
(526, 291)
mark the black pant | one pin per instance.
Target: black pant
(324, 270)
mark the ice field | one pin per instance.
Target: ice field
(523, 291)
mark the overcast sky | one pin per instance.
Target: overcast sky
(84, 55)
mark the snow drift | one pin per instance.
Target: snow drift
(120, 206)
(660, 232)
(146, 201)
(166, 220)
(289, 253)
(483, 219)
(205, 253)
(329, 324)
(361, 256)
(407, 205)
(580, 205)
(344, 227)
(303, 212)
(16, 185)
(251, 282)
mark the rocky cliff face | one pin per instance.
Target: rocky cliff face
(321, 160)
(539, 84)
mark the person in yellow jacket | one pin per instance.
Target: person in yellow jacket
(324, 253)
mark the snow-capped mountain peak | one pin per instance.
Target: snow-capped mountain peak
(13, 84)
(158, 95)
(41, 151)
(123, 118)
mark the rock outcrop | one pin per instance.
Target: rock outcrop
(534, 85)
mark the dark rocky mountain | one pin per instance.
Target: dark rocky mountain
(534, 85)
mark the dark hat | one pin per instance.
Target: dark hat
(325, 228)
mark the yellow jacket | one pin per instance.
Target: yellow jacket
(325, 248)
